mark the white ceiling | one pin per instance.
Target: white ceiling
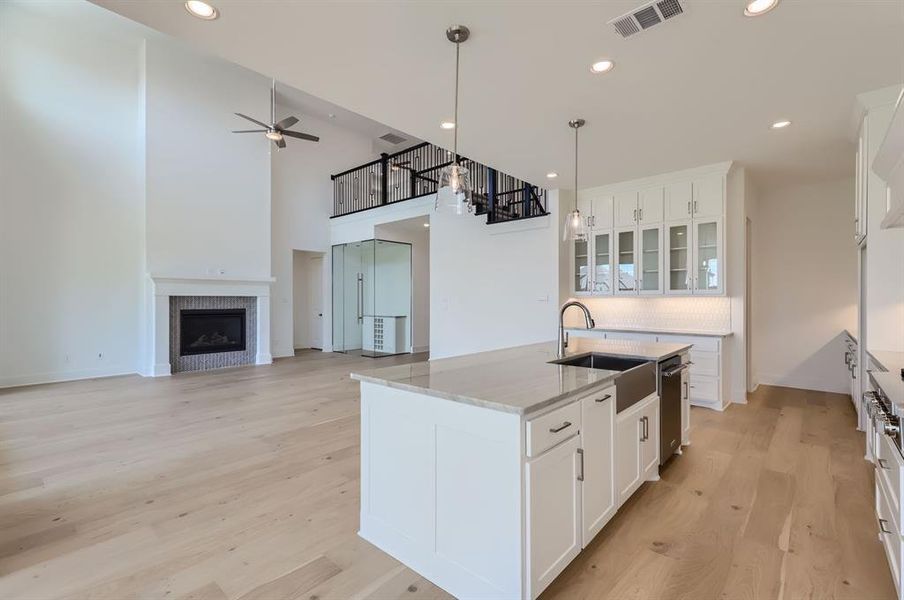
(700, 88)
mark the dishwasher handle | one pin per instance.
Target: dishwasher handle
(677, 369)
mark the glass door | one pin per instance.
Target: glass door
(625, 253)
(602, 263)
(581, 266)
(677, 256)
(353, 297)
(650, 255)
(708, 257)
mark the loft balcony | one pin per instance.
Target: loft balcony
(414, 172)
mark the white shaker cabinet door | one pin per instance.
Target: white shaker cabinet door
(625, 209)
(628, 432)
(708, 196)
(598, 487)
(678, 201)
(553, 513)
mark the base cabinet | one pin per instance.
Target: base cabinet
(637, 447)
(598, 488)
(554, 523)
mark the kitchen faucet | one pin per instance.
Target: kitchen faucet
(563, 337)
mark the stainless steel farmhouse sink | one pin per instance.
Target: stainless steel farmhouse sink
(636, 381)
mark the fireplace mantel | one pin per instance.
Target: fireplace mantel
(162, 286)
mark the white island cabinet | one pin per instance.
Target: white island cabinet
(488, 484)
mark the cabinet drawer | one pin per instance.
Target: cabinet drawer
(890, 537)
(705, 363)
(707, 344)
(704, 389)
(546, 431)
(889, 464)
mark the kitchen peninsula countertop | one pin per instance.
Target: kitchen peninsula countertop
(662, 330)
(518, 380)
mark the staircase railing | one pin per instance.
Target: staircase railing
(414, 172)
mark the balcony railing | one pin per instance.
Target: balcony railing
(414, 172)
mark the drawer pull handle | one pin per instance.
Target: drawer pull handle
(564, 425)
(882, 463)
(581, 457)
(604, 398)
(882, 528)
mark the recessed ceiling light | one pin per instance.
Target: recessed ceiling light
(426, 224)
(202, 10)
(601, 66)
(756, 8)
(447, 125)
(780, 124)
(552, 175)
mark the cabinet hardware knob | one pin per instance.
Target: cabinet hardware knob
(564, 425)
(604, 398)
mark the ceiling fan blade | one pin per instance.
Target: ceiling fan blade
(280, 143)
(255, 121)
(301, 136)
(286, 123)
(250, 131)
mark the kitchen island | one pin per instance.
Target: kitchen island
(488, 473)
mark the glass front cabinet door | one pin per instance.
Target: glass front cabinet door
(580, 273)
(678, 258)
(625, 256)
(649, 260)
(602, 263)
(709, 262)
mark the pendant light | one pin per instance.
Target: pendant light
(574, 222)
(454, 180)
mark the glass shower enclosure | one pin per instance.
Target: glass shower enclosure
(372, 298)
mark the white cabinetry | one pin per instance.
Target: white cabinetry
(654, 239)
(636, 447)
(598, 445)
(889, 166)
(554, 529)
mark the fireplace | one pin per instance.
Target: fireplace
(208, 331)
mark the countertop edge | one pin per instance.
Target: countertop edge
(720, 334)
(487, 404)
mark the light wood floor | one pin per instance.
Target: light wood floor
(243, 484)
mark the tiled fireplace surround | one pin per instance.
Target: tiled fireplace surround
(164, 288)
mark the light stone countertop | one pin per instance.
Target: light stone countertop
(519, 380)
(662, 330)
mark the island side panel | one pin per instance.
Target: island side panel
(441, 489)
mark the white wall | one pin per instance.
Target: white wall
(805, 284)
(419, 238)
(302, 198)
(208, 190)
(492, 286)
(71, 209)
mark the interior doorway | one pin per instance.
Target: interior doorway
(307, 299)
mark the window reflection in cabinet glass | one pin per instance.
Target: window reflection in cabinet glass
(626, 275)
(678, 247)
(649, 259)
(581, 267)
(602, 276)
(707, 256)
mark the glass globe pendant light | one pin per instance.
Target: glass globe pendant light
(454, 187)
(575, 228)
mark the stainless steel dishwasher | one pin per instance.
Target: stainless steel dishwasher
(670, 407)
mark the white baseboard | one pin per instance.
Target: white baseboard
(264, 358)
(62, 376)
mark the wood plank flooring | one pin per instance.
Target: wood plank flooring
(243, 485)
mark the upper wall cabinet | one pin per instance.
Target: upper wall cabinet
(657, 239)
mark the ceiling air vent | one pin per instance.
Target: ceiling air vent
(392, 138)
(646, 16)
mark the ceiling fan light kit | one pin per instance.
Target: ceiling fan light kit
(277, 132)
(455, 179)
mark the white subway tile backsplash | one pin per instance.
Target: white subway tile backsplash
(696, 313)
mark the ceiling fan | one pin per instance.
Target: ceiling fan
(277, 132)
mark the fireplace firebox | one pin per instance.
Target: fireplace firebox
(207, 331)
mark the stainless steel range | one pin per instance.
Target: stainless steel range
(884, 415)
